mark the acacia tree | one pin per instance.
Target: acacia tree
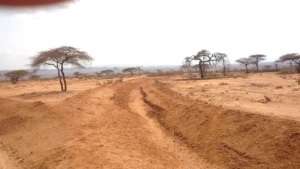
(58, 58)
(292, 58)
(77, 74)
(276, 62)
(204, 59)
(187, 63)
(15, 75)
(105, 72)
(221, 57)
(245, 62)
(132, 70)
(195, 68)
(257, 58)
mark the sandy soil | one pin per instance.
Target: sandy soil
(140, 123)
(44, 90)
(267, 93)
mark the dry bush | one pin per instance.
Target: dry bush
(132, 70)
(35, 77)
(86, 77)
(164, 73)
(286, 71)
(266, 99)
(15, 75)
(78, 75)
(223, 84)
(278, 87)
(109, 82)
(99, 84)
(105, 73)
(120, 80)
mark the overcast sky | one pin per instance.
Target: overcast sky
(156, 32)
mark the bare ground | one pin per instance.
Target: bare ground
(263, 93)
(139, 123)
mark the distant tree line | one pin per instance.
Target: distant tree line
(205, 60)
(58, 58)
(292, 58)
(132, 70)
(15, 75)
(252, 59)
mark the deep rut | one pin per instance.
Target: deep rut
(130, 97)
(120, 126)
(187, 158)
(105, 128)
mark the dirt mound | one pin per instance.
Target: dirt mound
(39, 94)
(30, 133)
(110, 127)
(230, 138)
(98, 128)
(11, 123)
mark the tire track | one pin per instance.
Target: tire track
(187, 158)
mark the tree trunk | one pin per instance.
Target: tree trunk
(276, 67)
(201, 70)
(14, 80)
(257, 69)
(59, 77)
(292, 66)
(63, 77)
(246, 68)
(298, 68)
(189, 69)
(224, 68)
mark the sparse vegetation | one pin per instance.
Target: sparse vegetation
(187, 65)
(77, 74)
(292, 58)
(96, 102)
(204, 99)
(256, 59)
(80, 75)
(34, 77)
(276, 65)
(106, 72)
(246, 62)
(205, 59)
(58, 58)
(132, 70)
(15, 75)
(221, 57)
